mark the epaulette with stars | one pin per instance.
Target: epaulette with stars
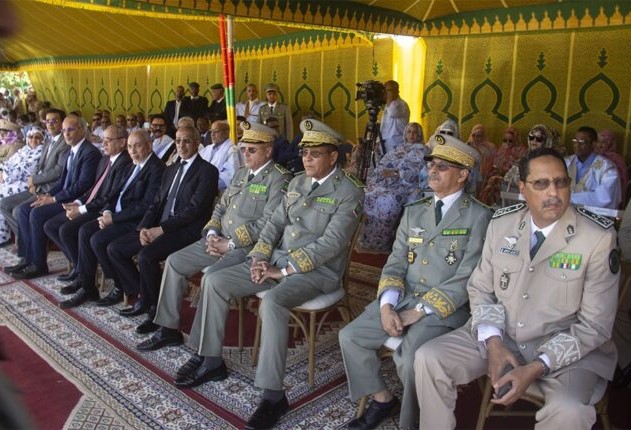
(354, 180)
(420, 201)
(602, 221)
(508, 210)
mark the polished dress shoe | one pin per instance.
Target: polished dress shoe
(374, 415)
(161, 339)
(132, 311)
(30, 271)
(267, 414)
(147, 326)
(78, 299)
(72, 287)
(202, 375)
(190, 366)
(115, 296)
(15, 268)
(68, 277)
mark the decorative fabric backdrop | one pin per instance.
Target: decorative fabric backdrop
(564, 79)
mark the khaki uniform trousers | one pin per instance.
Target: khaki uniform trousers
(621, 334)
(235, 282)
(455, 359)
(180, 266)
(363, 337)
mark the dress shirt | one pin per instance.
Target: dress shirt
(82, 208)
(161, 145)
(225, 158)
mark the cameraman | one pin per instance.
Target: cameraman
(395, 117)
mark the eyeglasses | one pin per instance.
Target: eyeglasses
(507, 141)
(4, 113)
(312, 153)
(158, 125)
(442, 166)
(536, 138)
(109, 139)
(581, 141)
(447, 132)
(52, 121)
(183, 141)
(249, 149)
(34, 135)
(543, 184)
(69, 130)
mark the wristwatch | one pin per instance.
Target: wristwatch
(284, 272)
(544, 366)
(420, 308)
(231, 245)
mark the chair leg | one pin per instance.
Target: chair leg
(361, 407)
(485, 405)
(257, 341)
(312, 341)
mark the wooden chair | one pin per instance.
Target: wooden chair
(304, 317)
(534, 396)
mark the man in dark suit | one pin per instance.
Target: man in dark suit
(173, 221)
(176, 109)
(77, 177)
(63, 228)
(217, 108)
(198, 104)
(49, 168)
(121, 215)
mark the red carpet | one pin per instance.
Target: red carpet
(46, 394)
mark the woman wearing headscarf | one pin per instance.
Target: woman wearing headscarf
(607, 146)
(399, 178)
(15, 171)
(10, 139)
(480, 141)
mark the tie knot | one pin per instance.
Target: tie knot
(315, 185)
(439, 203)
(183, 163)
(250, 177)
(540, 236)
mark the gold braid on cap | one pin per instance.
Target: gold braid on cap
(252, 136)
(313, 138)
(453, 154)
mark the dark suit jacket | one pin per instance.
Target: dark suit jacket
(140, 193)
(51, 165)
(193, 203)
(199, 107)
(217, 111)
(82, 174)
(169, 110)
(110, 184)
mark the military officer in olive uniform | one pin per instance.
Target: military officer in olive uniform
(301, 254)
(422, 291)
(254, 193)
(543, 299)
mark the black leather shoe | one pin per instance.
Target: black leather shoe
(15, 268)
(267, 414)
(72, 287)
(30, 271)
(160, 340)
(68, 277)
(132, 311)
(622, 377)
(374, 415)
(202, 375)
(190, 366)
(78, 299)
(114, 296)
(147, 326)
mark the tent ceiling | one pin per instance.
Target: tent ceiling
(79, 28)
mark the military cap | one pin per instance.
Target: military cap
(193, 85)
(216, 87)
(454, 150)
(316, 133)
(8, 125)
(253, 132)
(272, 87)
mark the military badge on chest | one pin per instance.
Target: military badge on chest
(414, 239)
(504, 280)
(509, 247)
(451, 256)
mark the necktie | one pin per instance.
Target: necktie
(271, 110)
(168, 207)
(98, 184)
(540, 238)
(314, 186)
(69, 169)
(134, 173)
(250, 177)
(438, 211)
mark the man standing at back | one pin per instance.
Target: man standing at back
(543, 302)
(396, 116)
(217, 108)
(249, 109)
(274, 108)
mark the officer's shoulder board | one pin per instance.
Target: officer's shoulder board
(282, 169)
(508, 210)
(479, 203)
(602, 221)
(299, 173)
(421, 201)
(354, 180)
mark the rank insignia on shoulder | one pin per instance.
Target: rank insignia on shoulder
(602, 221)
(614, 261)
(281, 169)
(427, 201)
(508, 210)
(481, 204)
(354, 179)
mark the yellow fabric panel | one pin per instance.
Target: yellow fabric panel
(564, 80)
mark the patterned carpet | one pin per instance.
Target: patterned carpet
(123, 388)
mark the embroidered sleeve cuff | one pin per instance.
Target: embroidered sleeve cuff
(242, 236)
(440, 302)
(562, 350)
(262, 250)
(213, 224)
(302, 260)
(488, 314)
(389, 297)
(390, 283)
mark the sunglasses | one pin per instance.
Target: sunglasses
(312, 153)
(441, 166)
(536, 138)
(249, 149)
(447, 132)
(580, 141)
(52, 121)
(543, 184)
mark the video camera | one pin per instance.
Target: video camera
(373, 93)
